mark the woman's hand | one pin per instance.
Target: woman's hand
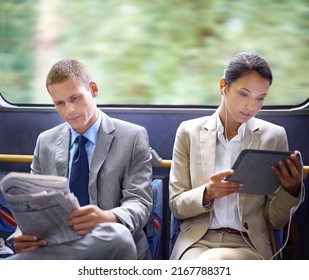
(218, 187)
(290, 174)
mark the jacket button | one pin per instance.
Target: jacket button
(246, 225)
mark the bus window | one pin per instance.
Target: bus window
(152, 52)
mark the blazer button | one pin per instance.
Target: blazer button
(246, 226)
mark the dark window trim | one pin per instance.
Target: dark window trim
(304, 105)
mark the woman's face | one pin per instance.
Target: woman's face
(243, 98)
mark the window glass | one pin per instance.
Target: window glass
(152, 52)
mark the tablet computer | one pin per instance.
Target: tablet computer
(253, 169)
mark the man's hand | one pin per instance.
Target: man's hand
(85, 218)
(26, 243)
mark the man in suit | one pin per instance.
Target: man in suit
(119, 193)
(216, 221)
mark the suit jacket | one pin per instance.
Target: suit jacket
(120, 170)
(192, 165)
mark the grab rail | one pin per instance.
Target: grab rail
(16, 158)
(165, 163)
(28, 159)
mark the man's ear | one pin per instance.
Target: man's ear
(94, 89)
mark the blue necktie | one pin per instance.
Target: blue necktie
(80, 172)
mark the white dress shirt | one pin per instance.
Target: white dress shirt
(226, 212)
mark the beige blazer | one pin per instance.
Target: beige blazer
(193, 164)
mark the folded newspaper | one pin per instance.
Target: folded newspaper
(40, 205)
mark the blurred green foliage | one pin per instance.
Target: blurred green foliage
(153, 52)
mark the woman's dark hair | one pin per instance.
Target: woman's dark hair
(246, 63)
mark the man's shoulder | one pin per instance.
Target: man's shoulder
(54, 131)
(111, 123)
(125, 124)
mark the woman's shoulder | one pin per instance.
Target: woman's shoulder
(197, 122)
(260, 123)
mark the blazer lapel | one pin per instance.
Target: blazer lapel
(104, 141)
(252, 135)
(62, 155)
(208, 138)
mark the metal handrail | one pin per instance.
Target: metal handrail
(165, 163)
(16, 158)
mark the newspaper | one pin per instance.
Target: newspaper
(4, 250)
(40, 204)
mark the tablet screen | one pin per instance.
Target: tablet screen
(253, 169)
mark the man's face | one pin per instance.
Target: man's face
(75, 103)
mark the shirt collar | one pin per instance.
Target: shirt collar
(220, 128)
(90, 134)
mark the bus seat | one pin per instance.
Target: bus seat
(154, 226)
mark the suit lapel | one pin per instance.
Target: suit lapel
(62, 155)
(104, 141)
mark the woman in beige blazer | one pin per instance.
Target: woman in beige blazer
(216, 221)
